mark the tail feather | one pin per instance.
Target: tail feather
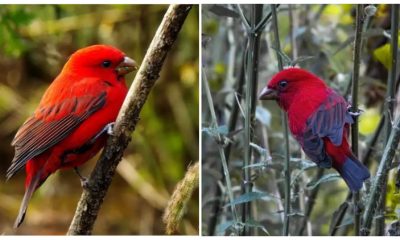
(30, 189)
(354, 173)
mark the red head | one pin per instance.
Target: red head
(289, 83)
(100, 60)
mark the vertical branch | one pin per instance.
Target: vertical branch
(377, 199)
(388, 111)
(354, 107)
(219, 140)
(216, 208)
(310, 204)
(216, 204)
(383, 169)
(286, 170)
(251, 94)
(277, 43)
(292, 27)
(365, 160)
(101, 177)
(391, 88)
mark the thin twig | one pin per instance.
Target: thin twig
(244, 19)
(354, 107)
(101, 177)
(251, 96)
(366, 161)
(263, 22)
(389, 106)
(310, 203)
(292, 27)
(216, 208)
(381, 174)
(285, 126)
(219, 140)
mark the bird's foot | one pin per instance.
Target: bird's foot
(109, 128)
(84, 180)
(85, 183)
(354, 114)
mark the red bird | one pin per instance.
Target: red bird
(69, 125)
(319, 120)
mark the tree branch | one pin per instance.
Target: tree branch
(354, 107)
(285, 128)
(250, 101)
(381, 174)
(101, 177)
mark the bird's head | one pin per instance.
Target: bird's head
(285, 85)
(100, 60)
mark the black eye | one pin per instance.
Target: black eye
(283, 84)
(106, 63)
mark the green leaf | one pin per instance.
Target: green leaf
(296, 214)
(251, 196)
(285, 58)
(220, 10)
(262, 151)
(301, 163)
(254, 224)
(301, 59)
(223, 129)
(347, 221)
(221, 228)
(326, 178)
(257, 165)
(266, 164)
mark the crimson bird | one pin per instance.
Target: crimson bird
(319, 120)
(71, 123)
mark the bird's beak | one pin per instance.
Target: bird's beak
(126, 66)
(268, 94)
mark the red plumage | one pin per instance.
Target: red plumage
(319, 120)
(76, 107)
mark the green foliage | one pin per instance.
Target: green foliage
(11, 19)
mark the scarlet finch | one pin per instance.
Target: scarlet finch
(68, 126)
(319, 120)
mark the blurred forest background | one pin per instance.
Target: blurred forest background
(322, 37)
(35, 42)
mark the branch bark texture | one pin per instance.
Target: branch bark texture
(101, 177)
(383, 169)
(354, 107)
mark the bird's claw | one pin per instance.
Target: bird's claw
(109, 128)
(354, 114)
(84, 180)
(85, 183)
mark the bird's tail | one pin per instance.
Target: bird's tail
(30, 188)
(354, 173)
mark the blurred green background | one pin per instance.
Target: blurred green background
(35, 42)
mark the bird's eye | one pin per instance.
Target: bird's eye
(106, 63)
(283, 84)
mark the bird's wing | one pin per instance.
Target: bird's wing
(51, 123)
(328, 121)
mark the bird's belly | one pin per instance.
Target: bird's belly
(76, 157)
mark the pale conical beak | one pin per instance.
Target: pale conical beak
(268, 94)
(126, 66)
